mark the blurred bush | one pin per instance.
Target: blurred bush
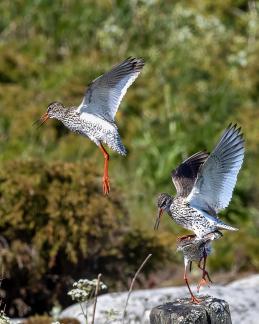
(48, 320)
(202, 72)
(56, 226)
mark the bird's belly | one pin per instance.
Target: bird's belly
(194, 220)
(97, 130)
(94, 127)
(183, 217)
(203, 223)
(194, 252)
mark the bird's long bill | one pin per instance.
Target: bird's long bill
(160, 213)
(42, 120)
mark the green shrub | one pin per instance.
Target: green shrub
(202, 72)
(57, 226)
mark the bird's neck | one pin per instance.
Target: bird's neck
(66, 113)
(167, 208)
(70, 118)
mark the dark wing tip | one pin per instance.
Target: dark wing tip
(231, 126)
(136, 63)
(231, 130)
(231, 139)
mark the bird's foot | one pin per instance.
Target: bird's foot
(195, 300)
(202, 282)
(106, 185)
(182, 238)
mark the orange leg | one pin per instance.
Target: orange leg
(106, 180)
(194, 299)
(205, 274)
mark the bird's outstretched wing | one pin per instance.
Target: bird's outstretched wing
(104, 94)
(185, 174)
(217, 177)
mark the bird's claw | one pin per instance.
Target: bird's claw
(106, 185)
(203, 282)
(195, 300)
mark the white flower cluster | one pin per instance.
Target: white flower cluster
(4, 319)
(84, 289)
(78, 295)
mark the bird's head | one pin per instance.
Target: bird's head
(54, 110)
(164, 202)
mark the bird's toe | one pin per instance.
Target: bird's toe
(106, 185)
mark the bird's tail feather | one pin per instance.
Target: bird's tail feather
(226, 227)
(116, 145)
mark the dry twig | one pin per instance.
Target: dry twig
(96, 295)
(131, 285)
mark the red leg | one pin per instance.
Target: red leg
(106, 180)
(193, 298)
(205, 274)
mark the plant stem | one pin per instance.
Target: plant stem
(96, 294)
(131, 285)
(84, 313)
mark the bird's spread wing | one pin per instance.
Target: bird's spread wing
(104, 94)
(217, 177)
(185, 174)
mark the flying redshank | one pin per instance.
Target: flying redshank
(195, 249)
(204, 185)
(94, 117)
(183, 178)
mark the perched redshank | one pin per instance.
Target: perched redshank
(204, 185)
(94, 117)
(195, 249)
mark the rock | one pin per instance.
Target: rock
(241, 295)
(210, 311)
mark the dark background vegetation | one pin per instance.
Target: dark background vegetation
(202, 72)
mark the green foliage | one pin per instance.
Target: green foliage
(202, 72)
(56, 226)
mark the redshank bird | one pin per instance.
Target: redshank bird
(195, 249)
(204, 185)
(183, 178)
(94, 117)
